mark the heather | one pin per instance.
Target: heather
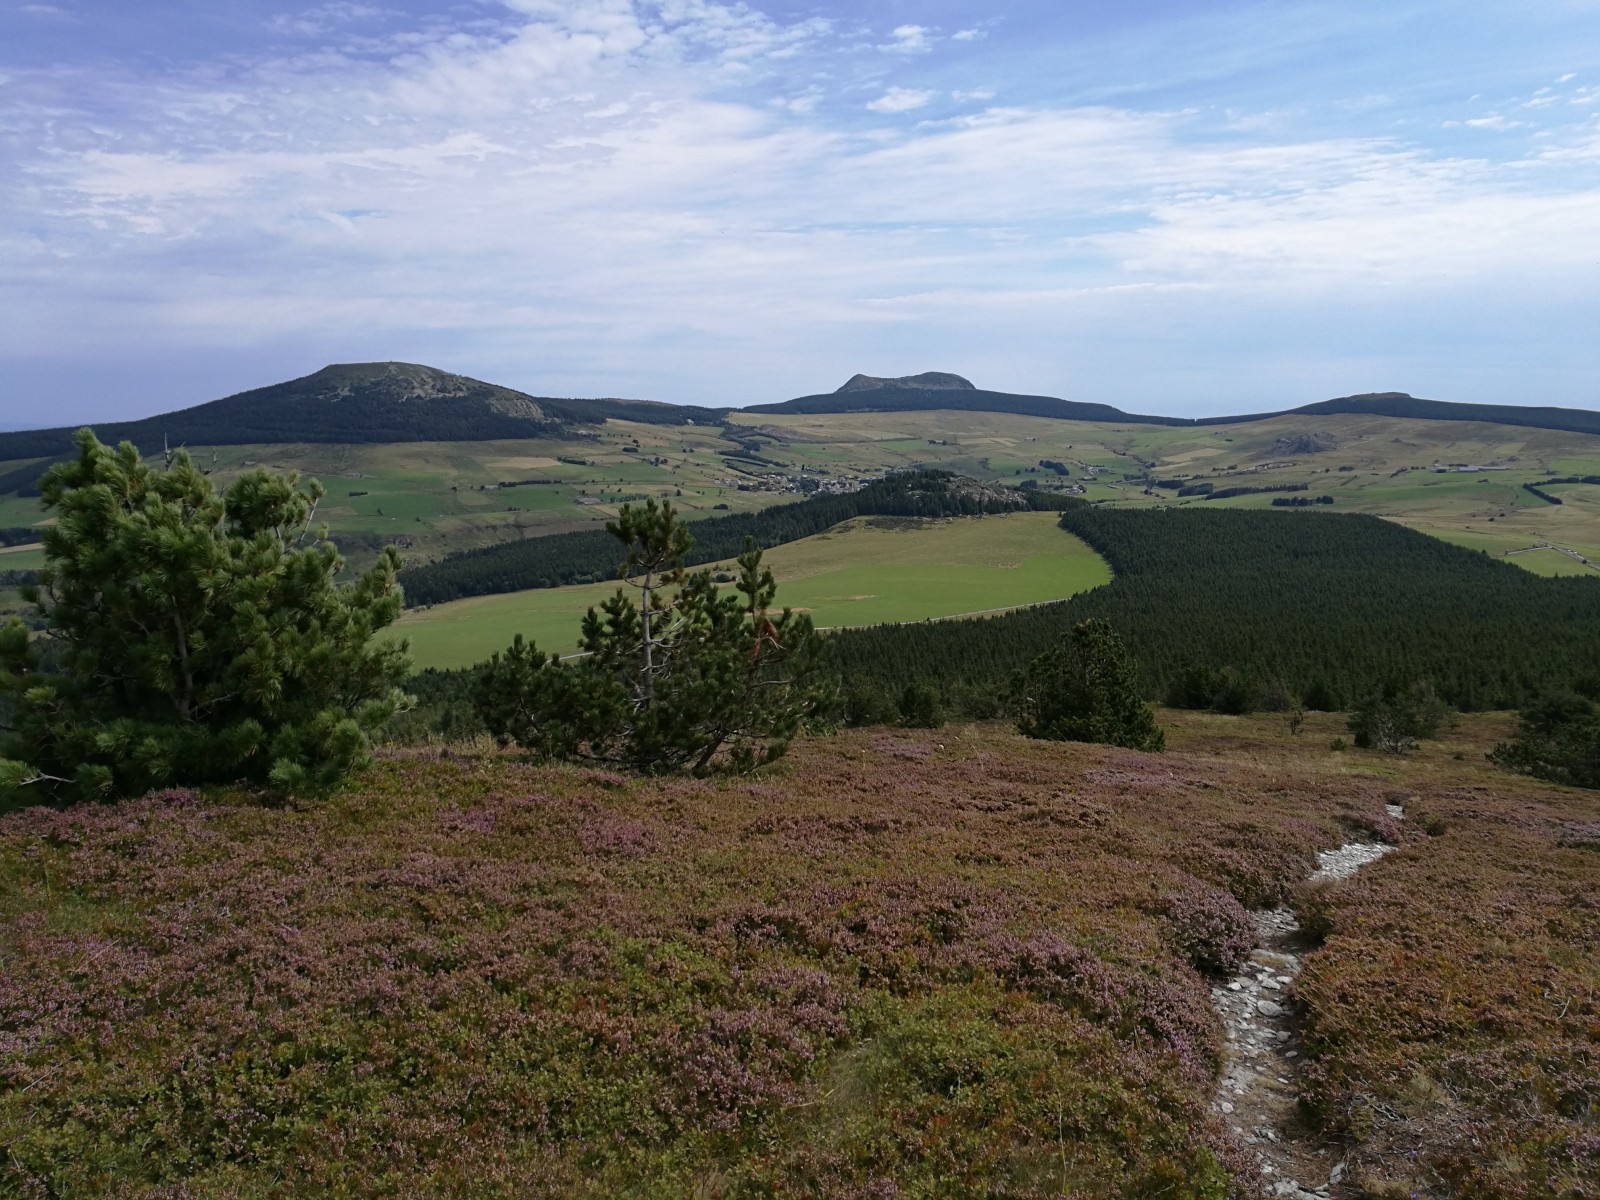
(898, 963)
(1455, 1009)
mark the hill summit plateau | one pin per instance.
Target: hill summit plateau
(928, 381)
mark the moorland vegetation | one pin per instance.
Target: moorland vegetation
(900, 963)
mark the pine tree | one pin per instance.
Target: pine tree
(686, 677)
(1086, 689)
(191, 637)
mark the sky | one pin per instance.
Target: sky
(1184, 208)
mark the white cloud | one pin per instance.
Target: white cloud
(479, 187)
(1496, 122)
(899, 100)
(909, 39)
(967, 35)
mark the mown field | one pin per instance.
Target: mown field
(868, 571)
(904, 963)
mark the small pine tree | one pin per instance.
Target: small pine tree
(921, 706)
(1086, 689)
(687, 679)
(1558, 738)
(1394, 719)
(191, 637)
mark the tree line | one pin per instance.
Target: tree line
(1332, 606)
(1537, 486)
(592, 556)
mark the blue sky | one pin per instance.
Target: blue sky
(1182, 208)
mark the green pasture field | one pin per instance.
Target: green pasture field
(21, 558)
(18, 510)
(432, 498)
(435, 498)
(1379, 465)
(867, 571)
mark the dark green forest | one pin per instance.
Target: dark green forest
(1316, 602)
(589, 556)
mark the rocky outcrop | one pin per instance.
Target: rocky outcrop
(928, 381)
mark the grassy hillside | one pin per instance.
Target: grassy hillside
(924, 965)
(361, 403)
(870, 570)
(1385, 466)
(433, 498)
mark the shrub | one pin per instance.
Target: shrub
(1209, 927)
(1085, 689)
(920, 706)
(1227, 690)
(689, 679)
(197, 638)
(1393, 720)
(1320, 697)
(1557, 739)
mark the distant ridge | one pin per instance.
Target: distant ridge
(405, 402)
(1399, 404)
(936, 390)
(864, 393)
(360, 403)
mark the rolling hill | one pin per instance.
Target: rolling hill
(941, 390)
(441, 464)
(394, 402)
(938, 390)
(362, 403)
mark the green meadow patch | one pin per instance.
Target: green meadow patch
(868, 571)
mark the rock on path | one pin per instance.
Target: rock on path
(1257, 1091)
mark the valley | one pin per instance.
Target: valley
(1456, 479)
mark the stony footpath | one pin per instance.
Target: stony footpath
(1257, 1091)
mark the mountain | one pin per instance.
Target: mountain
(357, 403)
(935, 390)
(405, 402)
(914, 393)
(1399, 404)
